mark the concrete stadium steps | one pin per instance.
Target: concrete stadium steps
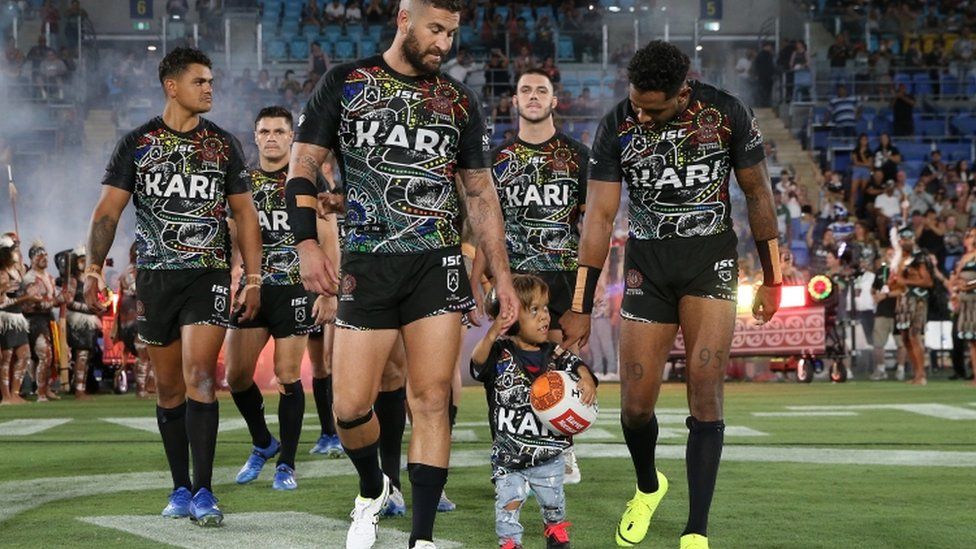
(789, 152)
(100, 131)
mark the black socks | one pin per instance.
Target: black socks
(642, 441)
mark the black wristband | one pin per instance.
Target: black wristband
(585, 292)
(300, 198)
(769, 259)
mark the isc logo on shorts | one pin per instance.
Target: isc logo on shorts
(724, 269)
(220, 299)
(451, 261)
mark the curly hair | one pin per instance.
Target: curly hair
(658, 66)
(178, 60)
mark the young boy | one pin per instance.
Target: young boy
(525, 454)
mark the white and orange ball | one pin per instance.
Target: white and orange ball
(556, 402)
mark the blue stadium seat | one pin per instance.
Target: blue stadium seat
(310, 32)
(545, 11)
(912, 168)
(869, 112)
(931, 128)
(289, 28)
(503, 11)
(277, 50)
(375, 32)
(468, 35)
(923, 84)
(915, 151)
(949, 84)
(904, 78)
(971, 86)
(345, 49)
(565, 51)
(298, 48)
(965, 125)
(354, 33)
(954, 152)
(332, 33)
(881, 125)
(367, 48)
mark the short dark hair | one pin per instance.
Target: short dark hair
(453, 6)
(538, 72)
(658, 66)
(178, 60)
(274, 111)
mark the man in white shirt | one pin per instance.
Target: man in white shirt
(887, 207)
(335, 12)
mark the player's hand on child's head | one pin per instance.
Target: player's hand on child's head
(330, 203)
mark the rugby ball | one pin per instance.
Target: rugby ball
(555, 399)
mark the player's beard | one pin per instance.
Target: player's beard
(413, 55)
(546, 113)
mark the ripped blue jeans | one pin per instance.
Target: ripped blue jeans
(545, 480)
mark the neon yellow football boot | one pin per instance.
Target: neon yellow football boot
(637, 517)
(694, 541)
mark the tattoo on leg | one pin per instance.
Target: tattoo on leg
(704, 355)
(635, 371)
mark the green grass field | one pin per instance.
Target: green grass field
(896, 470)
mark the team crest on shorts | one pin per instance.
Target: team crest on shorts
(140, 308)
(634, 278)
(725, 276)
(300, 314)
(348, 284)
(453, 280)
(220, 303)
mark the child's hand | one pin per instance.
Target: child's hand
(587, 386)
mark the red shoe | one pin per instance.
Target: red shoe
(510, 544)
(556, 535)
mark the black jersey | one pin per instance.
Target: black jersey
(180, 182)
(521, 440)
(678, 173)
(541, 189)
(279, 258)
(399, 141)
(919, 258)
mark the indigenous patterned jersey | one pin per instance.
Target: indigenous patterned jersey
(541, 189)
(180, 182)
(399, 141)
(521, 440)
(678, 173)
(279, 259)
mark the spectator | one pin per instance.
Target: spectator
(764, 70)
(566, 106)
(903, 108)
(51, 16)
(887, 157)
(549, 66)
(374, 13)
(962, 178)
(887, 210)
(933, 174)
(544, 44)
(318, 62)
(245, 84)
(864, 309)
(920, 200)
(288, 82)
(791, 274)
(71, 17)
(952, 243)
(962, 55)
(177, 8)
(354, 14)
(880, 63)
(862, 161)
(335, 13)
(13, 60)
(884, 319)
(863, 246)
(838, 54)
(783, 220)
(743, 72)
(587, 105)
(497, 78)
(930, 237)
(311, 16)
(502, 114)
(843, 112)
(874, 188)
(525, 60)
(264, 81)
(819, 251)
(50, 77)
(460, 65)
(38, 53)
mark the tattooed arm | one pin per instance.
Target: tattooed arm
(101, 234)
(318, 272)
(485, 216)
(758, 189)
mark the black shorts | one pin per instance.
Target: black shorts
(168, 300)
(387, 291)
(13, 331)
(285, 311)
(561, 286)
(658, 273)
(40, 326)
